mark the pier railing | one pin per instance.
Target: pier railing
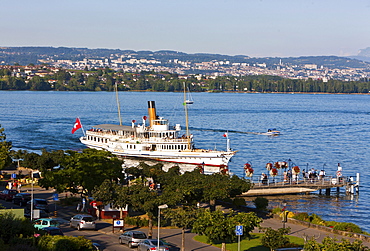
(279, 181)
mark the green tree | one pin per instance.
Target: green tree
(12, 227)
(217, 226)
(182, 217)
(47, 161)
(143, 199)
(274, 239)
(109, 192)
(5, 146)
(81, 172)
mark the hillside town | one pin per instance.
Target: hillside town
(217, 68)
(321, 68)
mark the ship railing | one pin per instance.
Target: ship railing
(177, 140)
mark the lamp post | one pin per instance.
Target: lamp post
(284, 213)
(159, 221)
(32, 195)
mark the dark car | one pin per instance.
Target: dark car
(8, 194)
(132, 238)
(53, 230)
(21, 199)
(41, 204)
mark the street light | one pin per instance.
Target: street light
(32, 195)
(284, 213)
(164, 206)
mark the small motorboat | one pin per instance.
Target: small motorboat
(272, 132)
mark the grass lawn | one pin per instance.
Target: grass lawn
(253, 244)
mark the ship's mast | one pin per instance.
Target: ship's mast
(118, 104)
(187, 119)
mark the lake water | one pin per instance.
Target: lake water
(318, 131)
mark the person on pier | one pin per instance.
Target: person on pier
(264, 178)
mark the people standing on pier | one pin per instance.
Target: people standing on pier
(264, 178)
(289, 176)
(312, 174)
(339, 172)
(321, 175)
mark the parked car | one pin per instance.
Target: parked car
(152, 244)
(41, 204)
(42, 214)
(132, 238)
(82, 221)
(8, 194)
(96, 246)
(53, 230)
(21, 199)
(45, 222)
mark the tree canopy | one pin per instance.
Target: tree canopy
(5, 147)
(218, 226)
(81, 172)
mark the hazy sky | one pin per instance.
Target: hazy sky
(255, 28)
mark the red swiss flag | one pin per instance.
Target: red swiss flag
(76, 126)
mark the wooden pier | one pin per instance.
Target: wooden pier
(305, 186)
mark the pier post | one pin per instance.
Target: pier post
(327, 192)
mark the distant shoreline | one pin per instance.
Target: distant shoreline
(339, 93)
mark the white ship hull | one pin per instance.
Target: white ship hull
(193, 157)
(157, 141)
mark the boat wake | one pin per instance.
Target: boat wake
(230, 131)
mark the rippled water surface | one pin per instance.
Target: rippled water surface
(318, 131)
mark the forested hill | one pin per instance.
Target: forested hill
(35, 55)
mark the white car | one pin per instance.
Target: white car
(82, 221)
(152, 245)
(132, 238)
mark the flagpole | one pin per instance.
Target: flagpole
(82, 127)
(227, 141)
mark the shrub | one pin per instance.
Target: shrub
(331, 223)
(290, 214)
(25, 242)
(12, 227)
(302, 216)
(136, 221)
(315, 219)
(239, 202)
(348, 227)
(261, 203)
(62, 243)
(276, 210)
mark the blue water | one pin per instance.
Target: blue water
(318, 131)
